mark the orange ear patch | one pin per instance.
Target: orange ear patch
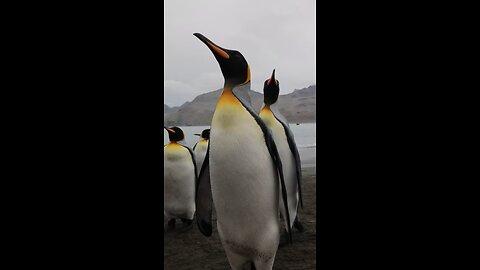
(248, 74)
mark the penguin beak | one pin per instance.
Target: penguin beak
(197, 134)
(169, 129)
(272, 79)
(218, 51)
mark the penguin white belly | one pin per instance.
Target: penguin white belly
(244, 185)
(288, 164)
(200, 152)
(179, 183)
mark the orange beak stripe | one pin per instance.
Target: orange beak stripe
(219, 51)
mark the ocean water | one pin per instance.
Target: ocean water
(305, 138)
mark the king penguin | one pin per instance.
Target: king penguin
(200, 148)
(283, 137)
(241, 172)
(179, 179)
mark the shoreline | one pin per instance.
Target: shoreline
(308, 157)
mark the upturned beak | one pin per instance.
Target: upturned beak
(169, 129)
(218, 51)
(272, 79)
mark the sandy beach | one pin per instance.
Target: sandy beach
(189, 249)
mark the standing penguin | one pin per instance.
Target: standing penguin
(179, 178)
(287, 149)
(240, 172)
(200, 148)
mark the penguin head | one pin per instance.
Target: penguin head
(235, 68)
(205, 134)
(175, 134)
(271, 90)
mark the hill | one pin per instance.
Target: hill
(298, 107)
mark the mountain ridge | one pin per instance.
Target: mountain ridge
(298, 106)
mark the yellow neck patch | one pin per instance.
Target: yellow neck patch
(266, 110)
(228, 99)
(267, 116)
(173, 145)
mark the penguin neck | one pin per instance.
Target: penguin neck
(266, 108)
(228, 99)
(175, 144)
(229, 110)
(267, 116)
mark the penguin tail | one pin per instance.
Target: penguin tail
(204, 227)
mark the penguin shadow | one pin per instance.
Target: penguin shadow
(178, 225)
(249, 266)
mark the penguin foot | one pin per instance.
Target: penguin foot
(283, 240)
(298, 225)
(188, 225)
(187, 221)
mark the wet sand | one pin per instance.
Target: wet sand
(189, 249)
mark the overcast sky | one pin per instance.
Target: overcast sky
(270, 34)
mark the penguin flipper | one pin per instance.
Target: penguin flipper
(296, 156)
(293, 148)
(272, 148)
(195, 146)
(203, 198)
(193, 161)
